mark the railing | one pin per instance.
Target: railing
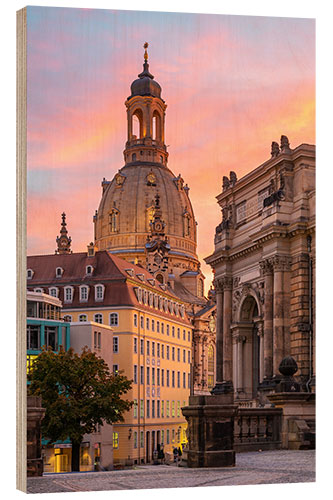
(257, 429)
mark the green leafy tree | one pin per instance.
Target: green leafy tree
(78, 393)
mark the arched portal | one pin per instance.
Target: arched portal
(247, 349)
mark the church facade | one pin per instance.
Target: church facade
(264, 263)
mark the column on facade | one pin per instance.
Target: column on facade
(219, 331)
(227, 335)
(267, 271)
(278, 300)
(239, 349)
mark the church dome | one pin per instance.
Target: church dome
(145, 84)
(122, 221)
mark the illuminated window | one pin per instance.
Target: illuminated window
(114, 220)
(168, 408)
(115, 369)
(178, 408)
(210, 367)
(115, 440)
(173, 409)
(142, 408)
(83, 317)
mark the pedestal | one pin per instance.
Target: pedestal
(211, 430)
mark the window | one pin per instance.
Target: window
(141, 439)
(148, 408)
(53, 292)
(189, 381)
(115, 369)
(184, 380)
(142, 346)
(114, 319)
(173, 331)
(141, 322)
(158, 327)
(134, 157)
(83, 317)
(178, 408)
(153, 348)
(68, 293)
(162, 377)
(153, 408)
(114, 220)
(115, 440)
(189, 336)
(168, 330)
(33, 337)
(168, 408)
(167, 352)
(89, 270)
(135, 320)
(178, 354)
(135, 345)
(51, 339)
(30, 274)
(158, 349)
(59, 272)
(148, 348)
(173, 409)
(158, 411)
(173, 378)
(189, 356)
(135, 374)
(115, 344)
(241, 211)
(142, 408)
(184, 335)
(142, 378)
(162, 347)
(68, 318)
(99, 293)
(173, 353)
(98, 318)
(152, 325)
(162, 328)
(178, 379)
(153, 376)
(97, 340)
(162, 411)
(168, 436)
(135, 408)
(184, 356)
(148, 376)
(178, 333)
(158, 376)
(147, 323)
(135, 445)
(38, 290)
(173, 435)
(168, 378)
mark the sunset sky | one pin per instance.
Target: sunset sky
(233, 84)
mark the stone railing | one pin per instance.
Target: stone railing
(257, 429)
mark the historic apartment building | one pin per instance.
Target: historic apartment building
(264, 263)
(151, 340)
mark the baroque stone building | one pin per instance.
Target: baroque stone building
(264, 263)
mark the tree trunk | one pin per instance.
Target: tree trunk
(75, 456)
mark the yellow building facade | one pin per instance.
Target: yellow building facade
(151, 344)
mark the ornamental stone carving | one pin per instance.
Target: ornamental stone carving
(266, 267)
(281, 263)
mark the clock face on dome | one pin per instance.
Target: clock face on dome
(120, 179)
(151, 178)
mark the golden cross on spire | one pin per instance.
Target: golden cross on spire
(145, 46)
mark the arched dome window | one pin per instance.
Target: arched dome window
(114, 220)
(187, 224)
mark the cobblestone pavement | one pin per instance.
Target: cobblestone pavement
(251, 468)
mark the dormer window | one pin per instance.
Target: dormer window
(99, 293)
(141, 277)
(84, 292)
(68, 294)
(38, 290)
(53, 291)
(89, 270)
(30, 274)
(59, 272)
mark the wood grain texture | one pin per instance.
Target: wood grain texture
(21, 232)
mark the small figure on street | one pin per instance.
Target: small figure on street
(175, 455)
